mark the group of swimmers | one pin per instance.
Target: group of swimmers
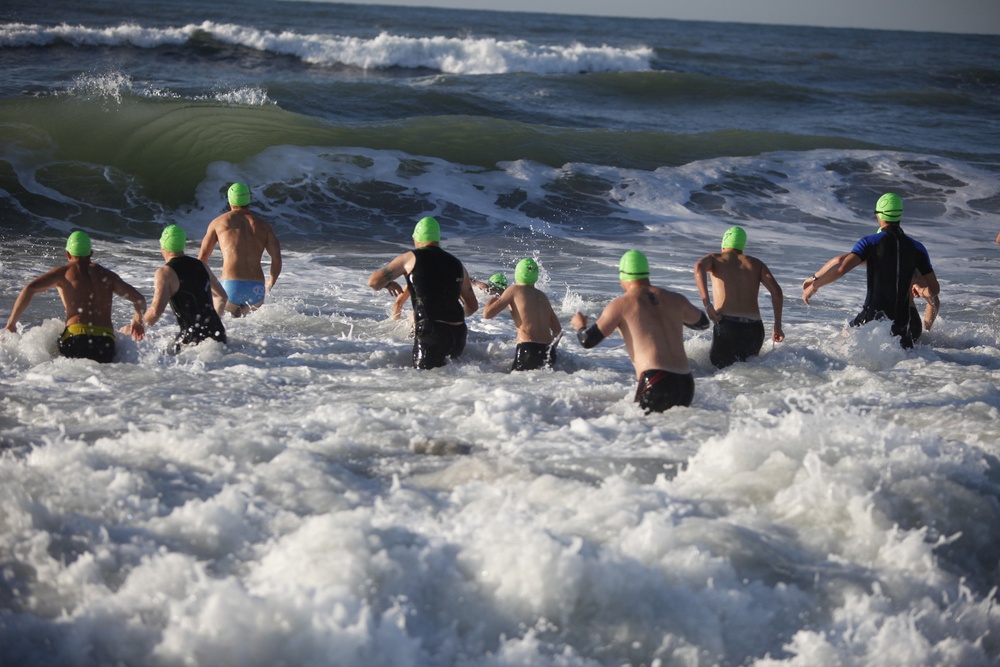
(196, 296)
(649, 318)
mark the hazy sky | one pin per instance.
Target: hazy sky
(963, 16)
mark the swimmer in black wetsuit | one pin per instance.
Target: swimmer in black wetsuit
(898, 268)
(495, 286)
(736, 279)
(188, 285)
(441, 293)
(536, 322)
(651, 321)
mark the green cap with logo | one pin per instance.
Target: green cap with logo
(633, 266)
(239, 194)
(735, 238)
(526, 272)
(889, 207)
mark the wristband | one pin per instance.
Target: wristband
(589, 337)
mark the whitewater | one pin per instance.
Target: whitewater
(301, 496)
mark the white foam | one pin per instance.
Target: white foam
(452, 55)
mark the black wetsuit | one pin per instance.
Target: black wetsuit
(439, 319)
(192, 304)
(891, 259)
(735, 339)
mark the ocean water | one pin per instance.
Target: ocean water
(303, 497)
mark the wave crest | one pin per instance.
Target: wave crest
(452, 55)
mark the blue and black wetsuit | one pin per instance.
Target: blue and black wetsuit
(192, 304)
(439, 319)
(891, 259)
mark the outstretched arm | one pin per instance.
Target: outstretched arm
(777, 300)
(273, 248)
(927, 287)
(40, 284)
(604, 326)
(208, 244)
(161, 295)
(468, 297)
(397, 305)
(136, 327)
(497, 304)
(220, 298)
(834, 269)
(701, 269)
(385, 277)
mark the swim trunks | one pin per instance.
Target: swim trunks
(244, 292)
(735, 339)
(660, 390)
(532, 356)
(87, 341)
(434, 341)
(192, 304)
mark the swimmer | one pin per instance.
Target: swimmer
(188, 285)
(651, 321)
(894, 262)
(243, 237)
(495, 286)
(538, 327)
(87, 290)
(736, 279)
(441, 292)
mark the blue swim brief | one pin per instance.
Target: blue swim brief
(244, 292)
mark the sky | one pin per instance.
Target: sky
(961, 16)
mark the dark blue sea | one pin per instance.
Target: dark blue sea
(302, 496)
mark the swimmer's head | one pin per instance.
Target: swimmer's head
(889, 207)
(526, 272)
(427, 231)
(735, 238)
(633, 266)
(239, 194)
(498, 281)
(173, 239)
(78, 244)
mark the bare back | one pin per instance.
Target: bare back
(736, 280)
(87, 291)
(651, 320)
(242, 238)
(532, 313)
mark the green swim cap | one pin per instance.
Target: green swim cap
(735, 238)
(173, 239)
(889, 207)
(526, 272)
(633, 266)
(497, 281)
(239, 194)
(427, 231)
(78, 244)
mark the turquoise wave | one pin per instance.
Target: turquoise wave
(168, 144)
